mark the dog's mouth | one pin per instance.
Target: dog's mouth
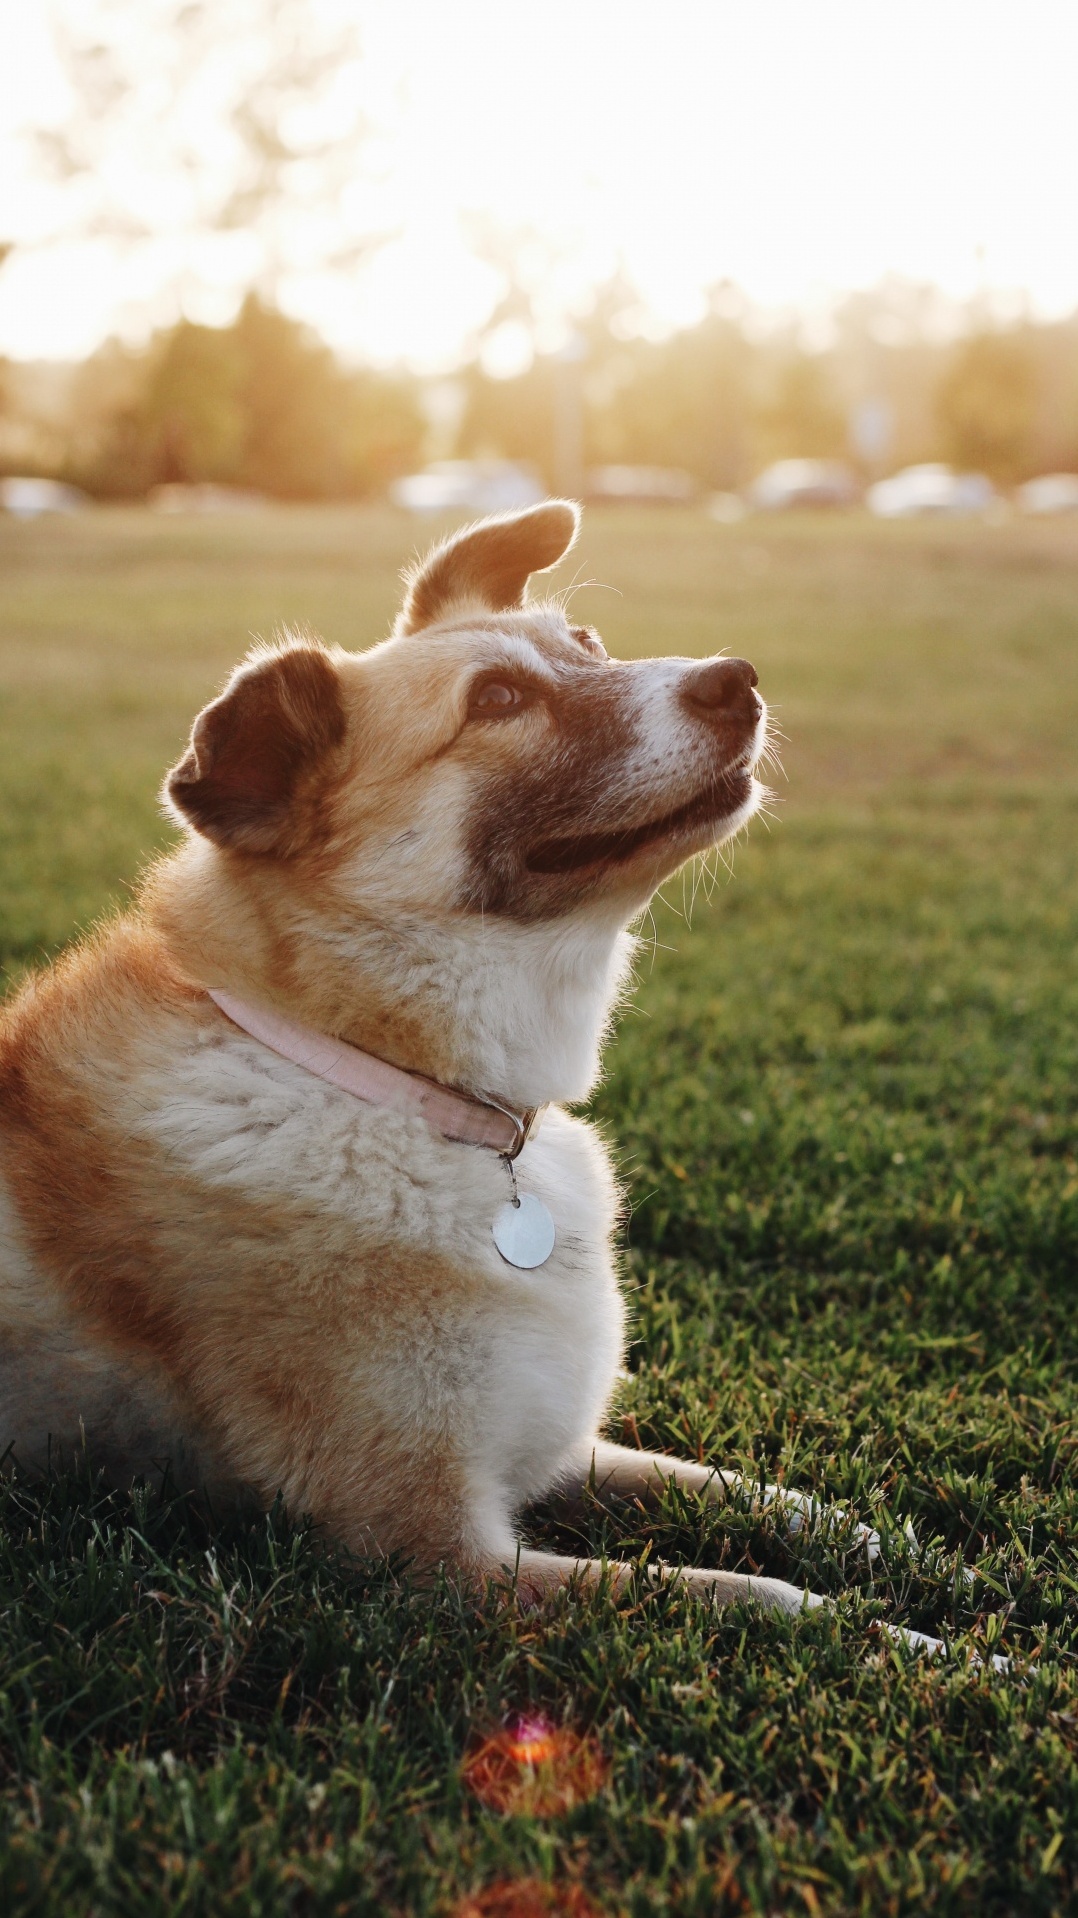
(720, 799)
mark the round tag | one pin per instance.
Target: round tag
(524, 1233)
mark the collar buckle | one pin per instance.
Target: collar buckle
(526, 1123)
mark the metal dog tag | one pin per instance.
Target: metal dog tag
(524, 1233)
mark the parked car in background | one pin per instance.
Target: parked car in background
(469, 486)
(1050, 493)
(641, 485)
(727, 508)
(792, 483)
(930, 489)
(27, 498)
(176, 497)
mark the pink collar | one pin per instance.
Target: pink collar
(456, 1115)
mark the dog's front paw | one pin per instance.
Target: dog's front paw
(778, 1596)
(931, 1647)
(804, 1509)
(774, 1594)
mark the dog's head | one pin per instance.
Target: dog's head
(488, 759)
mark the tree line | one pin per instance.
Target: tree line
(264, 405)
(261, 405)
(893, 385)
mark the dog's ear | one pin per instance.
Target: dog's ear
(259, 755)
(488, 565)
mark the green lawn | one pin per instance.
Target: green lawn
(844, 1102)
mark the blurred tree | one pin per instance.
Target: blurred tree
(529, 415)
(511, 419)
(295, 407)
(195, 118)
(311, 429)
(986, 405)
(682, 402)
(1055, 432)
(190, 415)
(107, 448)
(800, 417)
(387, 429)
(5, 383)
(887, 351)
(262, 404)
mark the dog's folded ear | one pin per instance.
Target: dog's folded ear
(260, 755)
(488, 565)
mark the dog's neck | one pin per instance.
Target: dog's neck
(514, 1012)
(517, 1012)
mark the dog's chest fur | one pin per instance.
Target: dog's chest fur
(518, 1364)
(340, 1256)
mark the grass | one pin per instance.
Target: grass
(844, 1104)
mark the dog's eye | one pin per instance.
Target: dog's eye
(497, 699)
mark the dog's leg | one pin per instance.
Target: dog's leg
(620, 1472)
(537, 1575)
(617, 1471)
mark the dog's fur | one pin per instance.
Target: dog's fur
(207, 1254)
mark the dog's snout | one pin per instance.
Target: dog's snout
(721, 686)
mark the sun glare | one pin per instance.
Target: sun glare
(796, 152)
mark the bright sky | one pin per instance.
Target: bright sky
(797, 147)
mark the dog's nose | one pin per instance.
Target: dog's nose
(720, 685)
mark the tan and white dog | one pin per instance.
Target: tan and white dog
(212, 1253)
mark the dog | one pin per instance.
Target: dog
(289, 1197)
